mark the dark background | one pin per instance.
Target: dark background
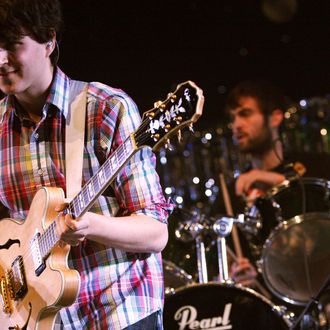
(148, 47)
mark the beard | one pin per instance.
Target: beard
(259, 145)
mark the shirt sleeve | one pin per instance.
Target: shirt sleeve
(137, 186)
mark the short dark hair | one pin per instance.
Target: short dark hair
(268, 95)
(38, 19)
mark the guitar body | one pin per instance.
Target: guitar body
(55, 287)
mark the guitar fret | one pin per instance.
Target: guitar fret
(90, 190)
(101, 177)
(85, 196)
(81, 201)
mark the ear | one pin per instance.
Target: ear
(276, 118)
(51, 44)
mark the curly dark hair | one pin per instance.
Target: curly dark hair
(268, 96)
(38, 19)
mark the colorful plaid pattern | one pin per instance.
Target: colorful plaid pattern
(117, 288)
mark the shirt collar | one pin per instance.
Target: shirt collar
(58, 95)
(59, 92)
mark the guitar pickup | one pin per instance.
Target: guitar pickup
(18, 280)
(39, 264)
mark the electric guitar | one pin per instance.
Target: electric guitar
(35, 280)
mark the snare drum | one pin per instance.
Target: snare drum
(295, 255)
(221, 306)
(174, 277)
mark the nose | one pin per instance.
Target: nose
(236, 123)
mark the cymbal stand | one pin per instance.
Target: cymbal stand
(193, 230)
(222, 228)
(201, 260)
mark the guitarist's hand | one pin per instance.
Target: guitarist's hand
(71, 231)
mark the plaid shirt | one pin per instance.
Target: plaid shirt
(117, 288)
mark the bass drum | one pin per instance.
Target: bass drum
(295, 259)
(174, 277)
(221, 306)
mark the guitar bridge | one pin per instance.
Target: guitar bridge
(5, 294)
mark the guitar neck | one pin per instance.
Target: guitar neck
(91, 191)
(102, 178)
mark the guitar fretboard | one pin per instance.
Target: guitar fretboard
(100, 181)
(91, 190)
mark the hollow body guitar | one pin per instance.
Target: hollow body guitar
(35, 280)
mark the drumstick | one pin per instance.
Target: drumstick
(229, 210)
(237, 245)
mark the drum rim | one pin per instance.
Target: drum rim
(228, 284)
(286, 183)
(265, 248)
(278, 309)
(175, 267)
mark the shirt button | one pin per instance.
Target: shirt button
(40, 172)
(36, 136)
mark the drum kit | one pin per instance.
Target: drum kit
(288, 230)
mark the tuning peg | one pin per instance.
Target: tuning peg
(191, 128)
(157, 104)
(179, 136)
(160, 105)
(167, 127)
(168, 145)
(155, 137)
(178, 119)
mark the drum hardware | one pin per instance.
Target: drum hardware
(306, 320)
(174, 277)
(222, 228)
(293, 240)
(193, 230)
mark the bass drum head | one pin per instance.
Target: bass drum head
(296, 257)
(220, 306)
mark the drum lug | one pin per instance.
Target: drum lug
(278, 211)
(259, 265)
(285, 314)
(252, 221)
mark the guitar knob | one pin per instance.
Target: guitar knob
(151, 115)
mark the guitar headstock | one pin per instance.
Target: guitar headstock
(182, 108)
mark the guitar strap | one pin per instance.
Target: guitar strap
(74, 137)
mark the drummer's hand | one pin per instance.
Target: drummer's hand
(243, 272)
(246, 180)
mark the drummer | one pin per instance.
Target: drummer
(256, 109)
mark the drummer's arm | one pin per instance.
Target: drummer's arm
(246, 180)
(243, 272)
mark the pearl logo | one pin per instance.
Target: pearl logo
(187, 319)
